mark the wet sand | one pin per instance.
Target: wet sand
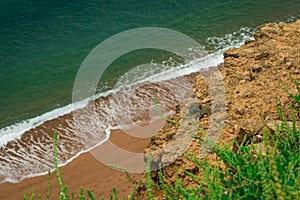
(85, 171)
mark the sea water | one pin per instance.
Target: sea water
(43, 44)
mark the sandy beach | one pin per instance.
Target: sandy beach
(249, 90)
(85, 171)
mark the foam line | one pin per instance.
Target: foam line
(15, 131)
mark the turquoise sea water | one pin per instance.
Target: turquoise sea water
(43, 44)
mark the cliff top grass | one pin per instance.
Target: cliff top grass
(266, 171)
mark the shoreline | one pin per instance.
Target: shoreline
(36, 144)
(255, 76)
(84, 171)
(243, 108)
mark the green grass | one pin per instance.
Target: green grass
(249, 173)
(270, 172)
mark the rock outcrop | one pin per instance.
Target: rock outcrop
(254, 75)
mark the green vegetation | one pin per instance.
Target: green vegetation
(268, 170)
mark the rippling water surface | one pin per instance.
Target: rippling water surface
(44, 42)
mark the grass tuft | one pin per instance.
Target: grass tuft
(269, 172)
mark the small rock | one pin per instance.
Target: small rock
(206, 100)
(248, 41)
(242, 81)
(236, 127)
(153, 147)
(198, 94)
(259, 136)
(232, 53)
(289, 64)
(230, 130)
(239, 111)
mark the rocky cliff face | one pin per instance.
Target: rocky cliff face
(254, 75)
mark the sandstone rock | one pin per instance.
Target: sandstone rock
(251, 76)
(235, 53)
(289, 64)
(206, 100)
(230, 130)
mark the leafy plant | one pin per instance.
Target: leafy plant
(269, 172)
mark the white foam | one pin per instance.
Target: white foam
(229, 40)
(17, 180)
(16, 130)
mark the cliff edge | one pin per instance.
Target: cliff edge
(254, 76)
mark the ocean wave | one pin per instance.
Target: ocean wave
(26, 147)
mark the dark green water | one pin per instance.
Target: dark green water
(44, 42)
